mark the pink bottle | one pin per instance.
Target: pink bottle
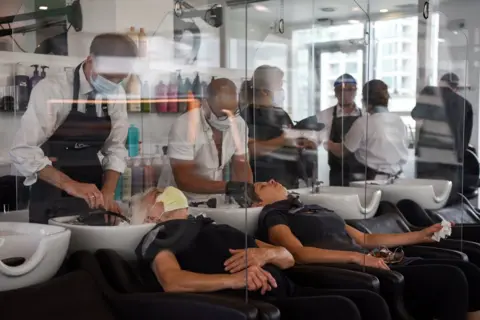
(161, 94)
(173, 94)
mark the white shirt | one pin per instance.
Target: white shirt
(43, 118)
(382, 143)
(191, 139)
(326, 117)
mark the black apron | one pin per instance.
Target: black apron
(340, 168)
(75, 145)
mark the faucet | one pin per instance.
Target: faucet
(316, 186)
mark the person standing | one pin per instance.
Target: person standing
(56, 147)
(338, 120)
(203, 141)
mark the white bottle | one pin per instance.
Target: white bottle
(127, 182)
(142, 43)
(133, 35)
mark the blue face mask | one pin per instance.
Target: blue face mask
(103, 85)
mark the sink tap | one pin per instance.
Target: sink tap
(316, 186)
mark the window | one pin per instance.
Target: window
(389, 65)
(351, 67)
(390, 81)
(389, 49)
(335, 68)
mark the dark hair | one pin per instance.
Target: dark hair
(261, 79)
(375, 93)
(113, 45)
(216, 84)
(451, 79)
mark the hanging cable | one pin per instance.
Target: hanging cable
(14, 40)
(426, 9)
(281, 22)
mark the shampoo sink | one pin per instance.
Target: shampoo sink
(429, 194)
(30, 253)
(232, 215)
(349, 203)
(122, 238)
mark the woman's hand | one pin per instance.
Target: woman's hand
(371, 261)
(256, 279)
(86, 191)
(426, 234)
(254, 257)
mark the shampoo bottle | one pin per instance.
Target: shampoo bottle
(22, 92)
(134, 92)
(133, 35)
(133, 141)
(44, 73)
(142, 43)
(127, 182)
(35, 78)
(161, 94)
(137, 176)
(157, 163)
(173, 94)
(148, 173)
(146, 105)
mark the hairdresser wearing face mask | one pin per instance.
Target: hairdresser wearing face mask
(70, 118)
(272, 155)
(203, 141)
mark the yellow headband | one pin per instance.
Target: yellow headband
(172, 199)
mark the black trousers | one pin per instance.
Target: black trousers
(440, 289)
(334, 304)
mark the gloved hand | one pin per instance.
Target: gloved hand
(243, 193)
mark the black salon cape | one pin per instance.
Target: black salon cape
(202, 246)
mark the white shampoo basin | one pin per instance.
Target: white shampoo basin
(348, 203)
(123, 239)
(429, 194)
(42, 247)
(232, 215)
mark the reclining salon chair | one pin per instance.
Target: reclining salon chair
(122, 290)
(390, 220)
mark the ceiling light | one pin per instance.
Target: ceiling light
(383, 10)
(353, 21)
(328, 9)
(261, 8)
(441, 40)
(43, 8)
(355, 9)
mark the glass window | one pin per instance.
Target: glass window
(351, 67)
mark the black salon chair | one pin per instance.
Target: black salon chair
(149, 305)
(471, 173)
(74, 296)
(390, 220)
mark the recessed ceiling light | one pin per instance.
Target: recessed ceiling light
(43, 8)
(355, 9)
(353, 21)
(328, 9)
(261, 8)
(441, 40)
(383, 10)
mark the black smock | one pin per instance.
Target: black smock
(312, 225)
(75, 145)
(341, 168)
(201, 246)
(266, 123)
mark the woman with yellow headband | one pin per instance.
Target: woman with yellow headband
(193, 254)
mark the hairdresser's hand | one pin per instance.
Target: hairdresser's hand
(243, 193)
(86, 191)
(242, 259)
(109, 204)
(256, 279)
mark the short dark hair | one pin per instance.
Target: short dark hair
(451, 79)
(113, 45)
(375, 93)
(216, 84)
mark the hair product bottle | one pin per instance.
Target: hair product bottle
(133, 141)
(142, 43)
(127, 182)
(137, 176)
(161, 94)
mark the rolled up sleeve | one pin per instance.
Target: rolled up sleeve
(180, 144)
(114, 150)
(36, 126)
(355, 136)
